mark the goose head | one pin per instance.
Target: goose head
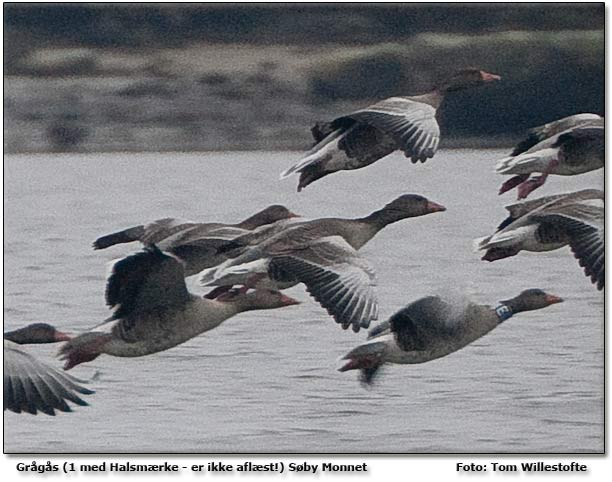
(531, 299)
(467, 79)
(408, 206)
(36, 333)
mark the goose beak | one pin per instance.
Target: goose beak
(433, 207)
(61, 336)
(350, 365)
(487, 77)
(288, 301)
(491, 255)
(552, 299)
(293, 215)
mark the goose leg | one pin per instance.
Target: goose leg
(83, 348)
(531, 184)
(513, 182)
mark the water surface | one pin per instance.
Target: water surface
(267, 381)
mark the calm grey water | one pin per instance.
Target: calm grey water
(267, 381)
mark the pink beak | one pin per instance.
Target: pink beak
(553, 299)
(487, 77)
(433, 207)
(61, 336)
(288, 301)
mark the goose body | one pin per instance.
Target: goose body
(321, 254)
(32, 386)
(567, 147)
(154, 311)
(363, 137)
(433, 327)
(545, 224)
(195, 244)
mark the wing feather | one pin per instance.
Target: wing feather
(32, 386)
(408, 122)
(335, 275)
(584, 224)
(144, 282)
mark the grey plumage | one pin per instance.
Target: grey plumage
(32, 386)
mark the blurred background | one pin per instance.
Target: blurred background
(193, 77)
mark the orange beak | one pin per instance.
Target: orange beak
(487, 77)
(551, 299)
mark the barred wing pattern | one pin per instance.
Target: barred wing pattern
(584, 224)
(336, 276)
(540, 133)
(410, 123)
(31, 386)
(144, 282)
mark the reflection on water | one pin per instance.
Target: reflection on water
(267, 381)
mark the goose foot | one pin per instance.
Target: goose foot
(529, 186)
(513, 182)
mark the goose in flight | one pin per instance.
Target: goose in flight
(433, 327)
(153, 311)
(321, 254)
(575, 219)
(566, 147)
(195, 244)
(358, 139)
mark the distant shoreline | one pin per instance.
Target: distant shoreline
(472, 143)
(104, 78)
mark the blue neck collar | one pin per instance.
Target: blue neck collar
(503, 312)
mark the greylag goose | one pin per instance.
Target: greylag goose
(154, 311)
(575, 219)
(195, 244)
(363, 137)
(433, 327)
(31, 386)
(566, 147)
(322, 254)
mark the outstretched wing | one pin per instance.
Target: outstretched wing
(144, 282)
(336, 276)
(523, 208)
(538, 134)
(197, 232)
(411, 124)
(584, 224)
(31, 386)
(151, 233)
(238, 245)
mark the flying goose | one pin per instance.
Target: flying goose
(322, 254)
(32, 386)
(566, 147)
(153, 310)
(575, 219)
(433, 327)
(194, 243)
(363, 137)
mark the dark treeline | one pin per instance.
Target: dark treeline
(104, 25)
